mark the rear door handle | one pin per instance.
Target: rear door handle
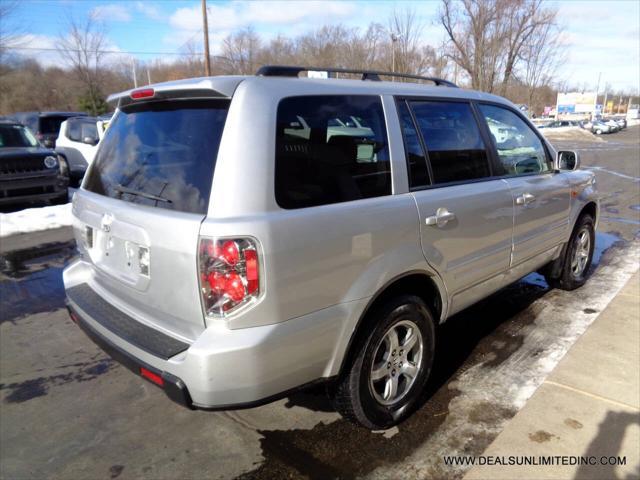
(441, 218)
(525, 199)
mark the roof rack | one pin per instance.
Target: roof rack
(292, 71)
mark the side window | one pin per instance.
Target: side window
(416, 160)
(520, 150)
(74, 130)
(90, 130)
(330, 149)
(452, 137)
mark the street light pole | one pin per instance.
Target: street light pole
(394, 39)
(393, 54)
(205, 27)
(595, 102)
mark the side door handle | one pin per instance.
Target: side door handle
(525, 199)
(441, 218)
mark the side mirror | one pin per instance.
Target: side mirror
(90, 140)
(567, 160)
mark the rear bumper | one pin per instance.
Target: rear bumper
(222, 368)
(175, 388)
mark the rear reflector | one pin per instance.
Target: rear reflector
(152, 377)
(143, 93)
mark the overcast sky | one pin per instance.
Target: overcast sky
(600, 36)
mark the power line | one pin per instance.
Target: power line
(120, 52)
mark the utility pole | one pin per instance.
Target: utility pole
(595, 102)
(205, 27)
(135, 77)
(148, 77)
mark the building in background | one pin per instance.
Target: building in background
(577, 105)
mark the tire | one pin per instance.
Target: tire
(371, 403)
(598, 132)
(577, 258)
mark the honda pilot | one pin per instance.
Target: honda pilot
(242, 237)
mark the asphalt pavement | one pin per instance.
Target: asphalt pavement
(68, 411)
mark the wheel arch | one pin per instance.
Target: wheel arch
(552, 269)
(419, 283)
(590, 208)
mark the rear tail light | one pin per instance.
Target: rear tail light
(229, 272)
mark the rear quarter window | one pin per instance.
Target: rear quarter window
(330, 149)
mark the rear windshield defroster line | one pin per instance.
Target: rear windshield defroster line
(161, 154)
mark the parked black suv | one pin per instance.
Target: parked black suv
(29, 172)
(45, 125)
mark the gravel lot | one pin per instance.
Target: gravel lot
(68, 411)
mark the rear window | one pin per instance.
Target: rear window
(49, 125)
(330, 149)
(78, 130)
(160, 154)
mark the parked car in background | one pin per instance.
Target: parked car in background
(598, 127)
(500, 131)
(561, 124)
(45, 125)
(28, 171)
(621, 121)
(615, 127)
(229, 267)
(78, 142)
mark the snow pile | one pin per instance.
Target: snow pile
(570, 133)
(35, 220)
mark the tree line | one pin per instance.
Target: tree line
(508, 47)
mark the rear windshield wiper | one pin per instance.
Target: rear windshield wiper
(121, 189)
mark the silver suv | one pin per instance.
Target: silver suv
(242, 237)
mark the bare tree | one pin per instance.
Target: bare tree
(487, 36)
(475, 39)
(406, 42)
(540, 56)
(82, 47)
(526, 21)
(192, 64)
(11, 36)
(240, 51)
(281, 50)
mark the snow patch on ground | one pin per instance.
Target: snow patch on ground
(35, 220)
(570, 133)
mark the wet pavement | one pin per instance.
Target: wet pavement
(68, 411)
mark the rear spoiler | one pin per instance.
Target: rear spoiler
(209, 87)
